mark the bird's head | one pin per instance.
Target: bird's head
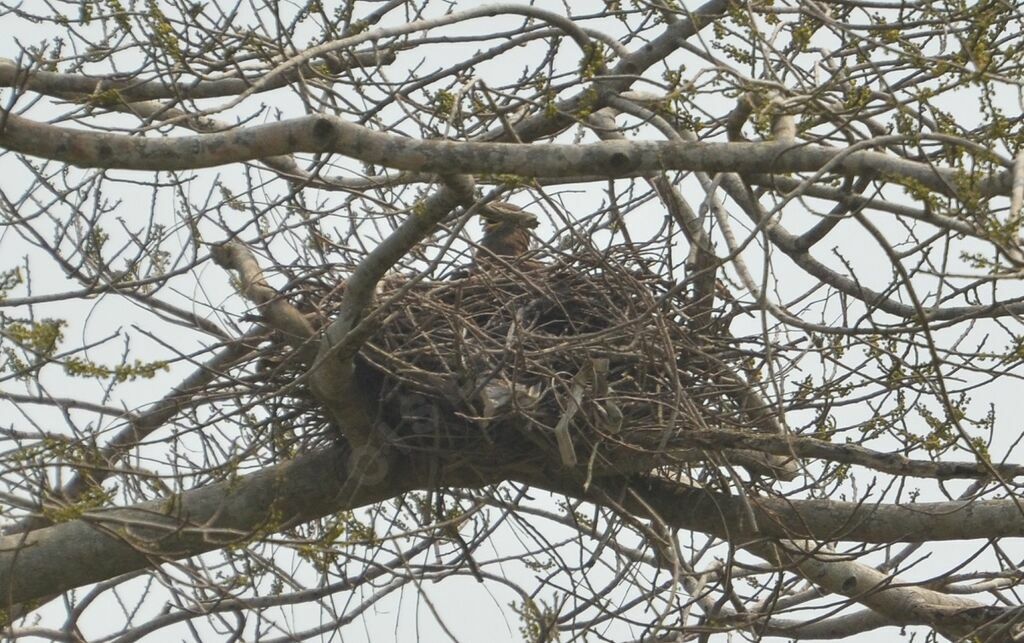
(506, 230)
(500, 214)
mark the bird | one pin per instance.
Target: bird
(506, 234)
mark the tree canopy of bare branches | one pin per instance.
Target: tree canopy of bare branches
(758, 373)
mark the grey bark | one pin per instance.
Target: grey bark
(325, 133)
(104, 544)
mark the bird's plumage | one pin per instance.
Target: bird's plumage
(506, 232)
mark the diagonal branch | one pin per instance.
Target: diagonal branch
(104, 544)
(333, 376)
(901, 603)
(141, 424)
(278, 312)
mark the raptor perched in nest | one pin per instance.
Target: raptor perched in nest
(583, 357)
(506, 234)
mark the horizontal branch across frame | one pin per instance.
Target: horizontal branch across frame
(104, 544)
(606, 159)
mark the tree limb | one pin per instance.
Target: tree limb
(326, 133)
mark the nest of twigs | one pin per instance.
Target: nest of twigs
(546, 359)
(553, 356)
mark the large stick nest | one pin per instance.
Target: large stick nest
(546, 359)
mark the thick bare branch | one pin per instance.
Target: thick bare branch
(324, 133)
(104, 544)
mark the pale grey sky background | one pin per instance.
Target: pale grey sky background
(471, 611)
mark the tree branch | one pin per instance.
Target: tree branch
(333, 376)
(103, 544)
(106, 543)
(144, 423)
(277, 311)
(132, 90)
(326, 133)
